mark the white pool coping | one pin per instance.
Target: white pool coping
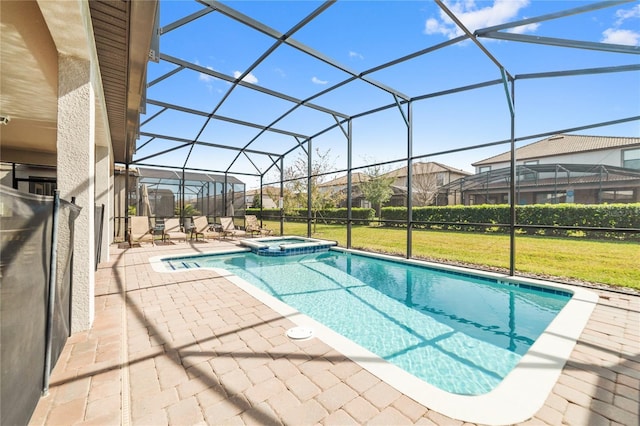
(516, 399)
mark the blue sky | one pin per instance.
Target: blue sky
(361, 35)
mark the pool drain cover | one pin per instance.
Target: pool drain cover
(299, 333)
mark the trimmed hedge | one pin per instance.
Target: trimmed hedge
(536, 219)
(543, 219)
(332, 216)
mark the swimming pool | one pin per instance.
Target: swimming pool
(460, 332)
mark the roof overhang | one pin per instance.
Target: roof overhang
(123, 32)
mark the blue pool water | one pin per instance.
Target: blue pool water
(458, 332)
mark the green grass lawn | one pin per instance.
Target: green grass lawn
(615, 263)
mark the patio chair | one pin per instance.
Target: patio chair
(140, 230)
(173, 230)
(228, 228)
(252, 226)
(202, 227)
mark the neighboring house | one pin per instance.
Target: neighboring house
(560, 169)
(426, 180)
(267, 202)
(339, 184)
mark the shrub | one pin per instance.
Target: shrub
(543, 219)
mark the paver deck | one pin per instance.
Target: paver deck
(193, 349)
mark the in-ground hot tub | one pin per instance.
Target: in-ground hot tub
(286, 246)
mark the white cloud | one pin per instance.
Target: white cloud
(474, 17)
(433, 26)
(616, 36)
(249, 78)
(316, 80)
(624, 14)
(280, 72)
(355, 55)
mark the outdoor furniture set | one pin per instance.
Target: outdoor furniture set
(140, 229)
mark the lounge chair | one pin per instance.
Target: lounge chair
(252, 226)
(173, 230)
(202, 227)
(140, 230)
(228, 228)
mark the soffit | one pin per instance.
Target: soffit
(123, 32)
(110, 29)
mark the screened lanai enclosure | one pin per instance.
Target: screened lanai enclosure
(165, 193)
(287, 97)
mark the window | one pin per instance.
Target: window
(440, 178)
(484, 169)
(41, 186)
(631, 159)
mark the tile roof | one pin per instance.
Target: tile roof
(342, 180)
(562, 144)
(421, 168)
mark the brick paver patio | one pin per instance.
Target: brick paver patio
(192, 348)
